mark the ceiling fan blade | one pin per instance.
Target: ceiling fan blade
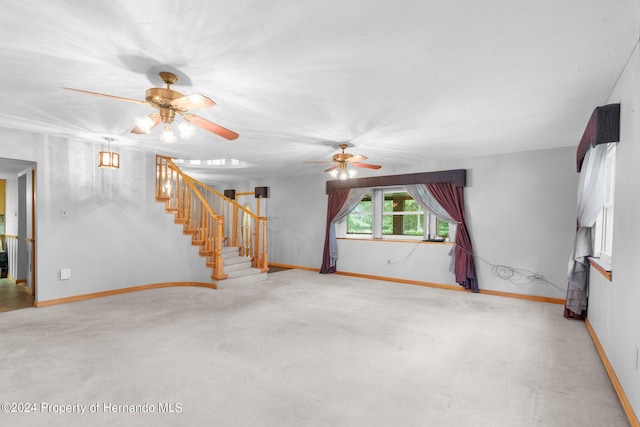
(156, 121)
(331, 168)
(210, 126)
(120, 98)
(191, 102)
(355, 158)
(366, 165)
(320, 161)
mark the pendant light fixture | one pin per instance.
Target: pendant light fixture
(108, 159)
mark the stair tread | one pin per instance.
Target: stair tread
(233, 281)
(243, 272)
(236, 260)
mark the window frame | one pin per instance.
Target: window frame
(603, 228)
(429, 221)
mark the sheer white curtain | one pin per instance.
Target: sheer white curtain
(422, 195)
(590, 202)
(354, 197)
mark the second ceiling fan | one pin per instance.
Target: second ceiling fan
(343, 161)
(169, 102)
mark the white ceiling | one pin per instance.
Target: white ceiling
(399, 80)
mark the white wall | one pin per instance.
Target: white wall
(116, 235)
(520, 212)
(423, 262)
(613, 306)
(520, 209)
(296, 210)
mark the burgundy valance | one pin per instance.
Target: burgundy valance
(456, 176)
(603, 127)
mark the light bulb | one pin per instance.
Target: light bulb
(186, 130)
(343, 175)
(352, 173)
(167, 134)
(334, 173)
(145, 124)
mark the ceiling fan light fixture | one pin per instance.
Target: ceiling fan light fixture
(167, 134)
(186, 130)
(169, 103)
(144, 124)
(346, 164)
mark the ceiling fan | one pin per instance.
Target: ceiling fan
(343, 161)
(168, 102)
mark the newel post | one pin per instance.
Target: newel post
(265, 260)
(217, 253)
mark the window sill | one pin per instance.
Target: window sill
(369, 239)
(602, 266)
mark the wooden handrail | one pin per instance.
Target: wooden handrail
(192, 210)
(211, 217)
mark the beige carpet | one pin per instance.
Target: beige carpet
(302, 349)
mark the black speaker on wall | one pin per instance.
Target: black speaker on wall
(262, 192)
(230, 194)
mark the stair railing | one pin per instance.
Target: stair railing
(218, 220)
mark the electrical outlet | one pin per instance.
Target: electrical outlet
(65, 274)
(64, 213)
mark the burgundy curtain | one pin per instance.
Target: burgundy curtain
(451, 198)
(336, 200)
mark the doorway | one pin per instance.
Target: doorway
(17, 208)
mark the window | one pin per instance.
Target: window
(360, 220)
(392, 212)
(603, 229)
(401, 215)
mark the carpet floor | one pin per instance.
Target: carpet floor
(302, 349)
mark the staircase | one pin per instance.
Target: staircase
(231, 238)
(239, 269)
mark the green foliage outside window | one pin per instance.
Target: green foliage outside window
(401, 216)
(360, 220)
(442, 228)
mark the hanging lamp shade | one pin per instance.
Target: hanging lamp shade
(108, 159)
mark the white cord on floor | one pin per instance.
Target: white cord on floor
(515, 276)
